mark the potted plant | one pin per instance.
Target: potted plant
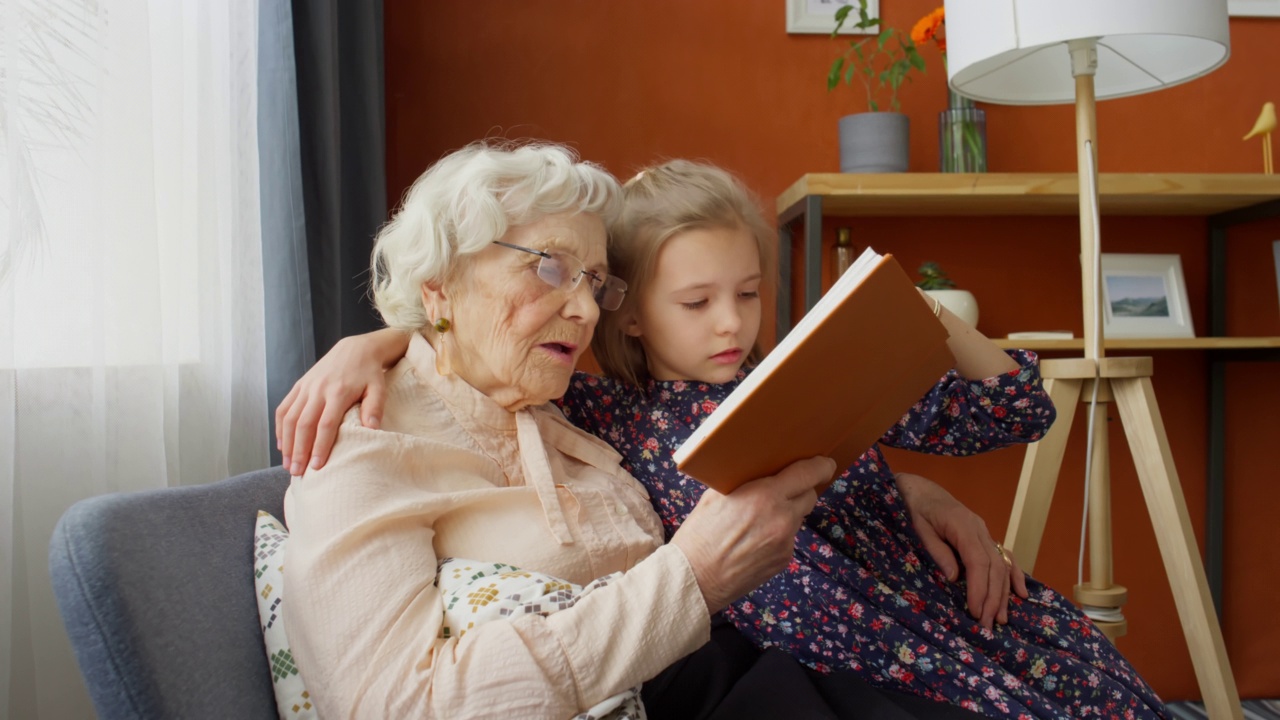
(876, 140)
(936, 284)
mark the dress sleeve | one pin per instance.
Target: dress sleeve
(364, 616)
(965, 417)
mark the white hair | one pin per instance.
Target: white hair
(467, 200)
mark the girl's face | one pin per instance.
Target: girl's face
(700, 314)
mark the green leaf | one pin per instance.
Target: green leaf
(841, 14)
(915, 59)
(833, 75)
(883, 67)
(864, 20)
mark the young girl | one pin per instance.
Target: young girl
(866, 590)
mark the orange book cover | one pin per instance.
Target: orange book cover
(849, 370)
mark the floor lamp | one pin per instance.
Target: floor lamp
(1039, 52)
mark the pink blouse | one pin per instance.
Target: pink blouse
(452, 474)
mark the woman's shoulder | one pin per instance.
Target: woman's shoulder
(410, 400)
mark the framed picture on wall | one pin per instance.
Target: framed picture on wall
(819, 17)
(1144, 296)
(1253, 8)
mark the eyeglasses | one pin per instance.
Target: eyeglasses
(560, 270)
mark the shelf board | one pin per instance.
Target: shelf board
(940, 194)
(1200, 343)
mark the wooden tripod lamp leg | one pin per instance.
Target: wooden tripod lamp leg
(1135, 398)
(1040, 472)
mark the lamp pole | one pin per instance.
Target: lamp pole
(1099, 597)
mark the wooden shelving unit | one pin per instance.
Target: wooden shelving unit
(1224, 199)
(933, 194)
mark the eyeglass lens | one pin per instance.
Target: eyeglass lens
(559, 270)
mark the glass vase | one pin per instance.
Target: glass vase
(962, 137)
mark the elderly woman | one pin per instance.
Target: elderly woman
(497, 261)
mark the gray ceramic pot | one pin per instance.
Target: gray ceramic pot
(874, 142)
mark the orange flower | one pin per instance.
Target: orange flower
(931, 27)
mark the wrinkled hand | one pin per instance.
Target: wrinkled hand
(736, 542)
(307, 419)
(947, 527)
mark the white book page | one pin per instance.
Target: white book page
(842, 287)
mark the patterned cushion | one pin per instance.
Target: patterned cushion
(478, 592)
(269, 540)
(473, 593)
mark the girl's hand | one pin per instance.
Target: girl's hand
(947, 527)
(352, 372)
(976, 356)
(736, 542)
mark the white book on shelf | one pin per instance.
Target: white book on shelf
(1042, 335)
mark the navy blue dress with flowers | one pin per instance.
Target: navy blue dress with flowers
(862, 592)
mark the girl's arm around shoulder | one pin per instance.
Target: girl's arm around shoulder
(351, 372)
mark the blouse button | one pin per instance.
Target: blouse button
(622, 509)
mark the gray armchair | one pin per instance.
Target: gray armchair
(156, 591)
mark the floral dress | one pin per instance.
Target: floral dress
(861, 591)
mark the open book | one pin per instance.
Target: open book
(849, 370)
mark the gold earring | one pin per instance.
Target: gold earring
(443, 366)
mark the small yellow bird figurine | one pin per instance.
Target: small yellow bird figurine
(1263, 126)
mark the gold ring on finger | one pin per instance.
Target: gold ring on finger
(1004, 555)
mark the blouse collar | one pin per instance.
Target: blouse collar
(536, 428)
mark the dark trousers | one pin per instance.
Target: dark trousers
(730, 679)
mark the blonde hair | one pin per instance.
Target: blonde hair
(468, 199)
(659, 203)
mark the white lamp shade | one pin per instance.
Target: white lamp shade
(1014, 51)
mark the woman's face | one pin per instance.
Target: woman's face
(514, 337)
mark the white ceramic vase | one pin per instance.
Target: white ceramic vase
(960, 302)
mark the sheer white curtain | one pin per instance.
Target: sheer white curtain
(131, 328)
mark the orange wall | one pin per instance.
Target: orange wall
(631, 81)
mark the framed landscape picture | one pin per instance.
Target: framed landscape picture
(1144, 296)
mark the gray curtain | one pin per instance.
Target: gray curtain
(291, 347)
(338, 47)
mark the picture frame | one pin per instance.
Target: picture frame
(1144, 296)
(1253, 8)
(817, 17)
